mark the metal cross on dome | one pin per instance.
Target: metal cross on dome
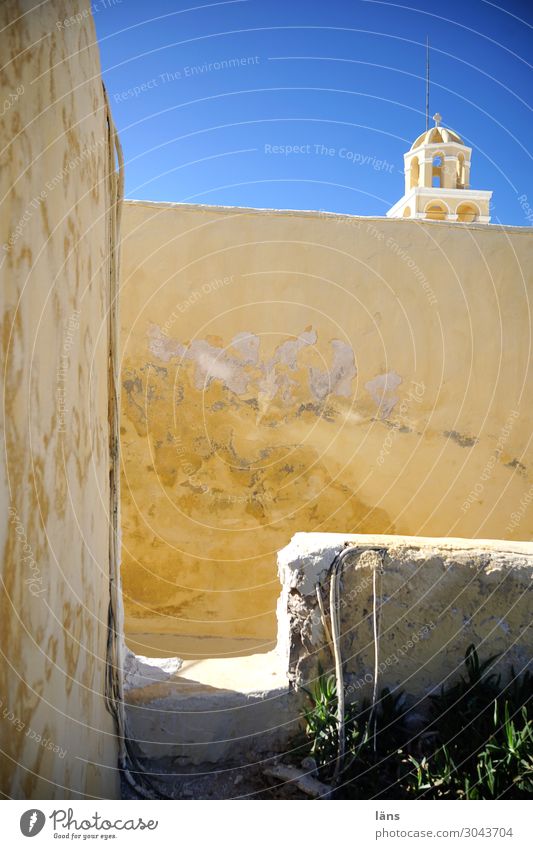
(437, 117)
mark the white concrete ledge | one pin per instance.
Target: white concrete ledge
(435, 597)
(213, 209)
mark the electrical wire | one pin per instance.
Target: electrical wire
(114, 690)
(375, 628)
(334, 592)
(324, 619)
(334, 638)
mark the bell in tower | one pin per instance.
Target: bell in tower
(437, 180)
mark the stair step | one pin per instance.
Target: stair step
(209, 711)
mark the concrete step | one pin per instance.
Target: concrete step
(237, 709)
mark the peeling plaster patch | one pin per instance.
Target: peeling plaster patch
(319, 410)
(369, 559)
(243, 371)
(516, 464)
(338, 380)
(461, 439)
(287, 352)
(320, 382)
(383, 391)
(133, 388)
(133, 385)
(268, 389)
(214, 363)
(398, 429)
(211, 363)
(161, 371)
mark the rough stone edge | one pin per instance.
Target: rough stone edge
(308, 557)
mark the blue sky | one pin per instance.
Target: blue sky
(311, 105)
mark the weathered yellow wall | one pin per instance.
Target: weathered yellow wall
(56, 737)
(297, 371)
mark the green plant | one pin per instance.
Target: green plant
(505, 767)
(519, 691)
(462, 712)
(322, 724)
(321, 721)
(485, 736)
(481, 733)
(501, 769)
(372, 737)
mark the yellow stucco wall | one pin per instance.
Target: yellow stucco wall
(56, 737)
(297, 371)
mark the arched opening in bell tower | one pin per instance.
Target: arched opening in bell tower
(467, 212)
(437, 172)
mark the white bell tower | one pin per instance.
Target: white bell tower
(437, 180)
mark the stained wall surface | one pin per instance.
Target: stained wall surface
(434, 599)
(293, 371)
(56, 737)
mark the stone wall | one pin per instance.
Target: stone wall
(434, 598)
(297, 371)
(56, 737)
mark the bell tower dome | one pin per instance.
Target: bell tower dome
(437, 180)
